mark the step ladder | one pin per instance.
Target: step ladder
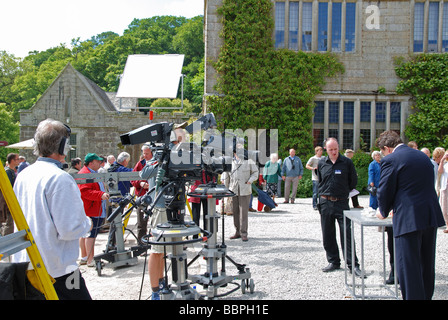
(23, 239)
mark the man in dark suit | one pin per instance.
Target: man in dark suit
(407, 189)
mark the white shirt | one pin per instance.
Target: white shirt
(51, 203)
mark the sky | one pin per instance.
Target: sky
(28, 25)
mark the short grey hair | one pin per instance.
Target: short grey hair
(122, 157)
(48, 137)
(374, 153)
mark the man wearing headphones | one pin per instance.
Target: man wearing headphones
(52, 206)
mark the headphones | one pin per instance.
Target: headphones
(62, 145)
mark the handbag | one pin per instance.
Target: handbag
(372, 190)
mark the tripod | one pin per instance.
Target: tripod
(213, 252)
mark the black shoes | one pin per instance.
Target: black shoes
(357, 271)
(331, 267)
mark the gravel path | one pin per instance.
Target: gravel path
(285, 256)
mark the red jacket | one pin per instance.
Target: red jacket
(204, 180)
(139, 191)
(91, 196)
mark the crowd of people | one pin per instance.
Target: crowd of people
(43, 190)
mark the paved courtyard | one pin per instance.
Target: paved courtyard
(284, 254)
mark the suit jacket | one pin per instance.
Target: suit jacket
(407, 187)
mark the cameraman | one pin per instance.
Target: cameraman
(52, 206)
(156, 262)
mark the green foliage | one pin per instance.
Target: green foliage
(9, 131)
(275, 87)
(102, 59)
(425, 77)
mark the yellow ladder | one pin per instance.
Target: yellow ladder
(23, 238)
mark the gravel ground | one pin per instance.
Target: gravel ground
(284, 254)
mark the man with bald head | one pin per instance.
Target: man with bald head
(337, 176)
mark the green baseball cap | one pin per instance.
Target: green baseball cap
(92, 156)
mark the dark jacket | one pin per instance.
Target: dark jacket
(407, 187)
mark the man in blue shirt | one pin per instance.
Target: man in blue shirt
(292, 172)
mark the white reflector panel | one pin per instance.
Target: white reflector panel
(151, 76)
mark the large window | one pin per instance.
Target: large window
(355, 123)
(295, 25)
(428, 29)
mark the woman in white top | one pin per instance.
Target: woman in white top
(443, 199)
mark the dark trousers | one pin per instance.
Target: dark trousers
(71, 287)
(196, 213)
(330, 212)
(415, 259)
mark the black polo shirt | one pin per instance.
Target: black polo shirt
(336, 179)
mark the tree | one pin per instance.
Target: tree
(425, 77)
(9, 130)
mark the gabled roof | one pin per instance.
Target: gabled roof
(97, 93)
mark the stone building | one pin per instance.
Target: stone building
(367, 37)
(96, 118)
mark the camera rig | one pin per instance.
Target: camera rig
(177, 165)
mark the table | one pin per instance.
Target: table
(356, 216)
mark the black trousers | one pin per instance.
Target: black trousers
(72, 287)
(415, 259)
(196, 212)
(330, 212)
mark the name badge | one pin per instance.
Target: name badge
(337, 172)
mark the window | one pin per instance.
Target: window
(445, 28)
(419, 17)
(350, 26)
(297, 29)
(433, 27)
(365, 111)
(333, 111)
(347, 139)
(395, 112)
(294, 25)
(380, 108)
(319, 137)
(279, 25)
(333, 133)
(307, 25)
(365, 139)
(319, 112)
(73, 139)
(428, 28)
(336, 26)
(349, 111)
(322, 29)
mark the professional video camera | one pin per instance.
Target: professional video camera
(181, 162)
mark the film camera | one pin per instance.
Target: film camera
(181, 162)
